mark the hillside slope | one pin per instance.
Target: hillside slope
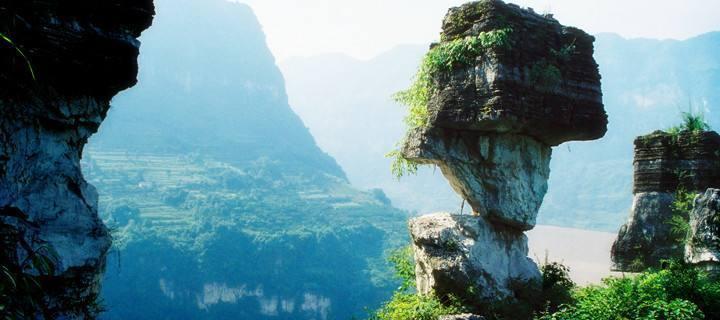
(221, 204)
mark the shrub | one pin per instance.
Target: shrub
(678, 292)
(404, 265)
(411, 306)
(691, 122)
(680, 220)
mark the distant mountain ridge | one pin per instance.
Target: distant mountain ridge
(646, 84)
(222, 204)
(211, 68)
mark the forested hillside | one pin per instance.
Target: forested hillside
(220, 203)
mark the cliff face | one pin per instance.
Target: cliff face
(663, 165)
(492, 119)
(82, 54)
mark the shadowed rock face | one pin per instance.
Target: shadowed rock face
(490, 127)
(704, 245)
(82, 54)
(546, 84)
(663, 164)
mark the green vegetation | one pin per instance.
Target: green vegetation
(680, 221)
(692, 122)
(9, 41)
(679, 292)
(405, 304)
(401, 165)
(180, 215)
(441, 59)
(411, 306)
(404, 264)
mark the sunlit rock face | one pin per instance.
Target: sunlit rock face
(502, 176)
(491, 124)
(664, 164)
(81, 53)
(469, 257)
(704, 245)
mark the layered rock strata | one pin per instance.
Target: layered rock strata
(67, 60)
(703, 247)
(492, 120)
(664, 163)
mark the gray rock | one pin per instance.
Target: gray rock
(502, 176)
(469, 257)
(704, 245)
(82, 57)
(647, 239)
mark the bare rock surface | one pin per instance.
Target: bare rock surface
(502, 176)
(81, 54)
(468, 257)
(704, 245)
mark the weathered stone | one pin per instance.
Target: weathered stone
(469, 257)
(647, 238)
(502, 176)
(664, 163)
(82, 52)
(465, 316)
(704, 245)
(545, 84)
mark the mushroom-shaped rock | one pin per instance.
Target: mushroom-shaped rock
(503, 86)
(470, 258)
(704, 246)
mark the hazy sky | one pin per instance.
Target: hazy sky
(365, 28)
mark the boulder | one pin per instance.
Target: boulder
(704, 245)
(469, 257)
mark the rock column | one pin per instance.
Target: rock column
(491, 125)
(664, 163)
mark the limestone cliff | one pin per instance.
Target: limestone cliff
(664, 163)
(492, 118)
(81, 53)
